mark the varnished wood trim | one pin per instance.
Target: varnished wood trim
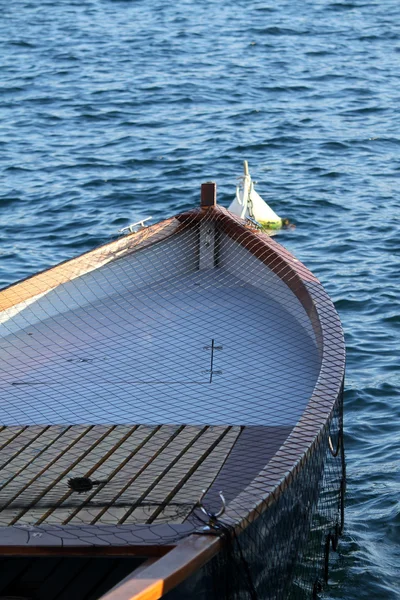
(139, 472)
(98, 488)
(167, 572)
(22, 447)
(12, 437)
(159, 477)
(69, 468)
(87, 551)
(208, 194)
(91, 471)
(45, 281)
(29, 462)
(148, 563)
(189, 474)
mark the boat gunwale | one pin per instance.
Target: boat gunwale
(48, 279)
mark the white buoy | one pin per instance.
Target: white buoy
(249, 205)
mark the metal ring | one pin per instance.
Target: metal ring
(212, 516)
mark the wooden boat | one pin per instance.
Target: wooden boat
(169, 404)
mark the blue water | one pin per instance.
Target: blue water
(112, 111)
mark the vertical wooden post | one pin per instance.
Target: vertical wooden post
(207, 228)
(208, 194)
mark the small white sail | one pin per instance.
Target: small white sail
(249, 204)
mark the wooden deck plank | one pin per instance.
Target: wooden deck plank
(41, 456)
(141, 469)
(24, 466)
(59, 463)
(177, 474)
(92, 466)
(201, 477)
(7, 434)
(64, 468)
(54, 462)
(123, 455)
(157, 445)
(158, 468)
(19, 447)
(65, 462)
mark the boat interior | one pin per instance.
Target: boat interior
(169, 372)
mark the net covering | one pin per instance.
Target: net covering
(176, 363)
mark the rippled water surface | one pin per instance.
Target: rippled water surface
(112, 111)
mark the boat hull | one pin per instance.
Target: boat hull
(195, 359)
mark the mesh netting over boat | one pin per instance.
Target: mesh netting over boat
(194, 357)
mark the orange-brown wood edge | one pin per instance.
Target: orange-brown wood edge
(163, 575)
(87, 551)
(45, 281)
